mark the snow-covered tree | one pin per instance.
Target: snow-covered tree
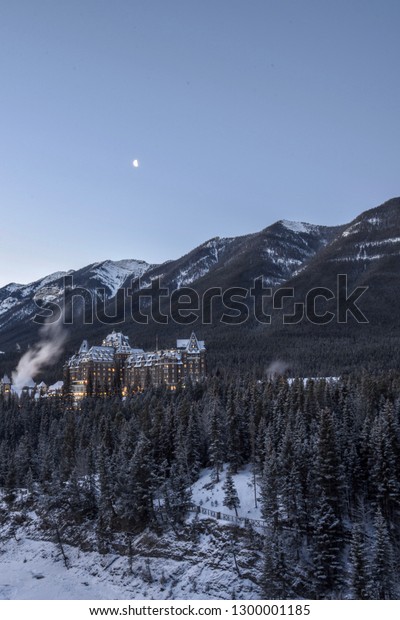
(231, 497)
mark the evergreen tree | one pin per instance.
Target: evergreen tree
(216, 442)
(358, 563)
(177, 491)
(270, 486)
(142, 487)
(381, 569)
(234, 447)
(326, 550)
(231, 497)
(275, 575)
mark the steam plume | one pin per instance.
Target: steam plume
(45, 352)
(276, 369)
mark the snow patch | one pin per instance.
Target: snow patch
(372, 244)
(351, 230)
(207, 494)
(350, 259)
(7, 304)
(298, 227)
(114, 273)
(374, 221)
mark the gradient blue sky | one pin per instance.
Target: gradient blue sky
(241, 113)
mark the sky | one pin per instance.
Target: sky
(239, 113)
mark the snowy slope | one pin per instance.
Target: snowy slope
(196, 562)
(114, 273)
(193, 266)
(208, 494)
(32, 569)
(302, 227)
(17, 301)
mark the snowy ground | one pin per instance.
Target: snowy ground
(211, 496)
(198, 563)
(35, 570)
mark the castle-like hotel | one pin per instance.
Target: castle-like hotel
(117, 368)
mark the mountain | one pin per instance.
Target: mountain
(290, 254)
(367, 252)
(17, 301)
(276, 252)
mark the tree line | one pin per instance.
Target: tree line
(325, 456)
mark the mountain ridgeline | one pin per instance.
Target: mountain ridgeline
(286, 256)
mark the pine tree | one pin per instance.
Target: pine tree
(142, 487)
(233, 425)
(384, 462)
(275, 575)
(358, 563)
(328, 470)
(381, 571)
(177, 491)
(231, 497)
(326, 549)
(216, 442)
(269, 486)
(195, 445)
(105, 508)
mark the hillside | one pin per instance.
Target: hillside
(286, 254)
(199, 563)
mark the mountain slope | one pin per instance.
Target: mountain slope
(290, 254)
(274, 253)
(367, 252)
(17, 301)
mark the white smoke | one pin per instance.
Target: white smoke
(276, 369)
(45, 352)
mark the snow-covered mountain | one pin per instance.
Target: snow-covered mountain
(17, 301)
(276, 252)
(286, 253)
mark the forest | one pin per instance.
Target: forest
(325, 454)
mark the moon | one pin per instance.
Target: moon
(135, 163)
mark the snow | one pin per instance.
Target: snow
(349, 259)
(298, 227)
(374, 221)
(284, 262)
(47, 294)
(114, 273)
(58, 385)
(371, 244)
(351, 230)
(305, 380)
(193, 272)
(210, 495)
(39, 289)
(13, 287)
(7, 304)
(32, 569)
(170, 566)
(53, 277)
(18, 303)
(200, 266)
(218, 245)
